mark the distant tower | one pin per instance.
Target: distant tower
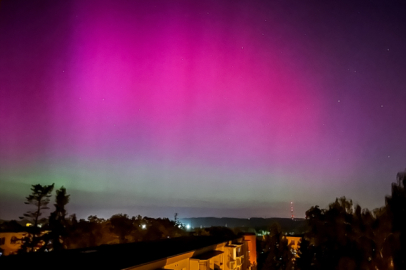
(291, 210)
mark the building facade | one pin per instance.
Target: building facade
(10, 242)
(181, 253)
(236, 254)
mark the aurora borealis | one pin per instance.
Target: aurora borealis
(205, 108)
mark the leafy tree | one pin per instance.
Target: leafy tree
(306, 255)
(88, 233)
(344, 236)
(161, 228)
(122, 226)
(396, 207)
(221, 232)
(11, 226)
(277, 250)
(201, 232)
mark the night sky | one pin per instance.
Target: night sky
(205, 108)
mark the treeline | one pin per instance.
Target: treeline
(118, 229)
(60, 231)
(296, 226)
(345, 236)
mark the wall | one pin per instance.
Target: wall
(8, 246)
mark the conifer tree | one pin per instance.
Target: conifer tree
(39, 198)
(57, 221)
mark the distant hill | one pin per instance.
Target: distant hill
(288, 225)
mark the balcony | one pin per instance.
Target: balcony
(240, 260)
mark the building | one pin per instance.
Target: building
(224, 255)
(183, 253)
(10, 242)
(294, 241)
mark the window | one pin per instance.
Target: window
(2, 241)
(13, 240)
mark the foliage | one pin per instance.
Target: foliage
(277, 252)
(305, 252)
(215, 231)
(344, 237)
(39, 198)
(88, 233)
(11, 226)
(396, 211)
(57, 220)
(122, 225)
(120, 228)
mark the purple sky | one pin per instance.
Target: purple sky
(205, 108)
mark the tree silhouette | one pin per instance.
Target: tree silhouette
(11, 226)
(160, 228)
(39, 198)
(175, 217)
(89, 233)
(57, 220)
(345, 236)
(122, 226)
(396, 207)
(306, 255)
(61, 200)
(279, 255)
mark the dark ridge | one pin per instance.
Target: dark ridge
(287, 224)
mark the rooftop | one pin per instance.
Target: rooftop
(111, 256)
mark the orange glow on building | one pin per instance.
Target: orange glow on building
(251, 240)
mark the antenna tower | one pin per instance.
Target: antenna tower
(291, 210)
